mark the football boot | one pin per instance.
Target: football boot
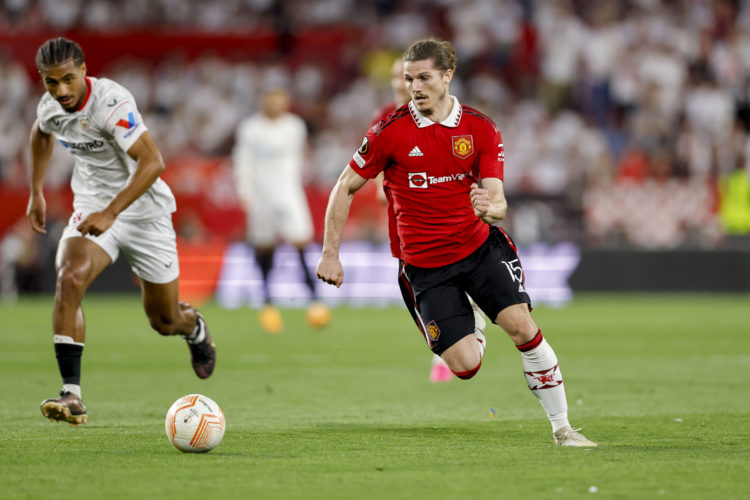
(67, 408)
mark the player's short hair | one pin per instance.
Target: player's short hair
(442, 53)
(58, 51)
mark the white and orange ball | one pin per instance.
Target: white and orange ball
(195, 423)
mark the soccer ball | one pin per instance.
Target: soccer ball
(195, 423)
(318, 315)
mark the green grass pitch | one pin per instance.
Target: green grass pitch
(660, 382)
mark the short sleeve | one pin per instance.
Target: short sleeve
(43, 127)
(124, 122)
(371, 158)
(43, 116)
(492, 155)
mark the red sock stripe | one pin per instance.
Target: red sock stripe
(532, 344)
(469, 373)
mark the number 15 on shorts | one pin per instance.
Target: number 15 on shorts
(516, 272)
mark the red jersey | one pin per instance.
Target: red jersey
(428, 170)
(383, 113)
(392, 232)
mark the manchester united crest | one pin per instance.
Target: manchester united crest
(433, 331)
(463, 146)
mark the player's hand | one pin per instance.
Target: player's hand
(37, 213)
(480, 200)
(96, 223)
(330, 270)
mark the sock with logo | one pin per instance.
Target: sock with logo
(68, 353)
(545, 380)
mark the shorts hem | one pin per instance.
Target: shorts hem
(70, 232)
(161, 280)
(441, 348)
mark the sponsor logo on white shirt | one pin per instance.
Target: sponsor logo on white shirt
(83, 146)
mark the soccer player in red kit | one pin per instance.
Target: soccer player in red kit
(434, 153)
(439, 371)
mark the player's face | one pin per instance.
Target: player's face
(398, 85)
(276, 103)
(427, 85)
(66, 82)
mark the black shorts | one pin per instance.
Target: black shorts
(492, 275)
(407, 294)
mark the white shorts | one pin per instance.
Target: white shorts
(150, 247)
(274, 216)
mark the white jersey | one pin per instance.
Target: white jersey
(268, 166)
(99, 135)
(268, 155)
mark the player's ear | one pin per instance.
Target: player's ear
(83, 69)
(447, 76)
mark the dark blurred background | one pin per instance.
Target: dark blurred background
(625, 123)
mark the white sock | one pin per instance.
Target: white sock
(72, 388)
(482, 341)
(65, 339)
(479, 325)
(545, 380)
(199, 332)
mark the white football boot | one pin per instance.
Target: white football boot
(567, 436)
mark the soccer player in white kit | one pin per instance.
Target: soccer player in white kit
(268, 155)
(120, 205)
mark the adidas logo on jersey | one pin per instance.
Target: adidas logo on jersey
(416, 152)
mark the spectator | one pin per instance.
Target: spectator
(577, 91)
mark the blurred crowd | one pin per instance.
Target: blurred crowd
(625, 123)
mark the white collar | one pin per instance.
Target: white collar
(452, 120)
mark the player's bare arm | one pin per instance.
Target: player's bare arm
(41, 149)
(380, 194)
(329, 267)
(489, 201)
(149, 168)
